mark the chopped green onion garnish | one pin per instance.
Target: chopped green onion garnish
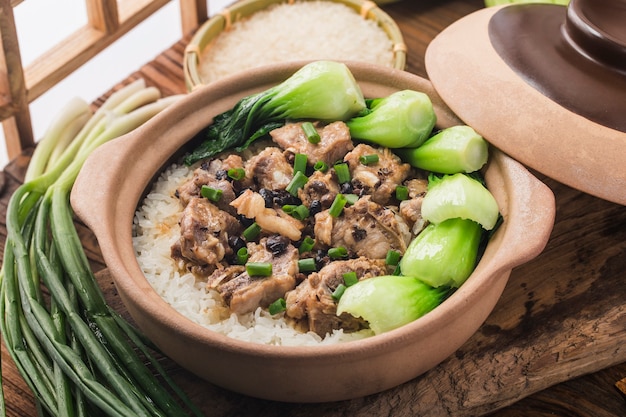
(300, 212)
(251, 232)
(350, 278)
(311, 133)
(369, 159)
(338, 252)
(320, 166)
(338, 204)
(277, 306)
(393, 257)
(236, 173)
(351, 198)
(402, 193)
(341, 288)
(343, 172)
(299, 163)
(307, 265)
(242, 256)
(259, 269)
(306, 245)
(213, 194)
(298, 181)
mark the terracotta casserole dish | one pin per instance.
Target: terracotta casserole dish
(114, 181)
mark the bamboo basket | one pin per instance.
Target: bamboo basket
(240, 10)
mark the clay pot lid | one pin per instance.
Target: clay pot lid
(545, 84)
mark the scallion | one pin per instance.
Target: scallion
(337, 253)
(299, 163)
(297, 182)
(350, 278)
(343, 173)
(307, 244)
(236, 174)
(368, 159)
(336, 208)
(299, 212)
(320, 166)
(341, 288)
(402, 193)
(213, 194)
(392, 258)
(311, 133)
(242, 256)
(307, 265)
(259, 269)
(277, 306)
(59, 346)
(251, 232)
(351, 198)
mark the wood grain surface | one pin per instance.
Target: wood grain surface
(553, 346)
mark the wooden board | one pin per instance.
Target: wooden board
(554, 344)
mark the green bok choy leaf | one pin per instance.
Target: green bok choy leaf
(322, 90)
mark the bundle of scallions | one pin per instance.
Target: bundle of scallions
(79, 356)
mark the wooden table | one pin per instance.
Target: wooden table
(554, 344)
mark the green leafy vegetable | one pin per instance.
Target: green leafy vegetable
(322, 90)
(452, 150)
(389, 301)
(459, 196)
(403, 119)
(443, 254)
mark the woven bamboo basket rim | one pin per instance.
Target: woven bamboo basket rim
(242, 9)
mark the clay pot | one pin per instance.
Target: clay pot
(115, 177)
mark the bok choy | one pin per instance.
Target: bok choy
(322, 90)
(390, 301)
(450, 151)
(403, 119)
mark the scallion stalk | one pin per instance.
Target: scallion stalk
(297, 182)
(350, 278)
(343, 172)
(251, 232)
(307, 244)
(368, 159)
(299, 163)
(236, 174)
(277, 306)
(311, 133)
(307, 265)
(213, 194)
(259, 269)
(75, 353)
(337, 253)
(336, 208)
(320, 166)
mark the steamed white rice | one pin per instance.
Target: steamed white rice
(156, 229)
(309, 30)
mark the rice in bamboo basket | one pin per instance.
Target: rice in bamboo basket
(203, 48)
